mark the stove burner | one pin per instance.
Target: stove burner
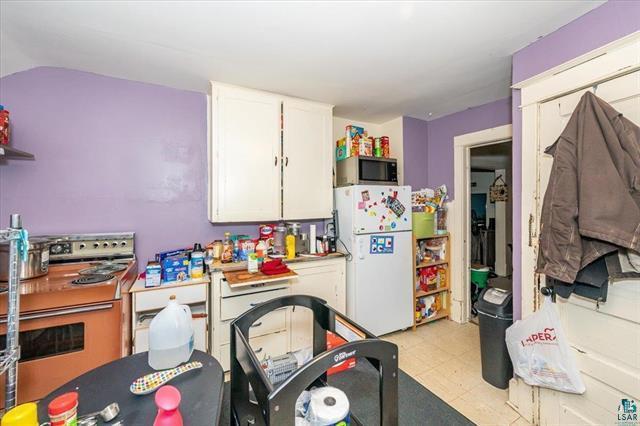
(103, 268)
(92, 279)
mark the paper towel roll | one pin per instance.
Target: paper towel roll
(312, 239)
(328, 406)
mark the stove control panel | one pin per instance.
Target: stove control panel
(78, 247)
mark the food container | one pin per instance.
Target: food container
(280, 232)
(293, 228)
(423, 224)
(153, 274)
(37, 263)
(377, 147)
(384, 145)
(217, 250)
(63, 410)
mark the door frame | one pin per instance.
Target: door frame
(461, 218)
(605, 63)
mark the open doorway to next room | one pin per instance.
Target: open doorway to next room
(491, 218)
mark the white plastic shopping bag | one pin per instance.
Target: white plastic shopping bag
(540, 353)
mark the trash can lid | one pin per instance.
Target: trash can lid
(496, 302)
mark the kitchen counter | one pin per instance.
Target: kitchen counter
(236, 266)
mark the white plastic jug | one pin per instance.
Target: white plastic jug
(171, 336)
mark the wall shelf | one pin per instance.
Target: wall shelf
(421, 293)
(14, 154)
(428, 264)
(442, 292)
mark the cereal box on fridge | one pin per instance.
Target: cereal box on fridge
(354, 135)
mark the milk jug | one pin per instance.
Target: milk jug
(170, 336)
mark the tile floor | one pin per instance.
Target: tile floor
(444, 357)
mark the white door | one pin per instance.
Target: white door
(245, 155)
(320, 281)
(380, 208)
(605, 337)
(307, 186)
(383, 282)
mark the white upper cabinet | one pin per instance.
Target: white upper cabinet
(244, 155)
(270, 157)
(307, 150)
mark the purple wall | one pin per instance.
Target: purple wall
(414, 140)
(441, 131)
(111, 155)
(607, 23)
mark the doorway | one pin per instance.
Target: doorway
(490, 216)
(461, 218)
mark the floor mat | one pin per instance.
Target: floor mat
(416, 405)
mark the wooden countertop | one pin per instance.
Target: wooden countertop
(237, 266)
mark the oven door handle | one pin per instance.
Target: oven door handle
(58, 312)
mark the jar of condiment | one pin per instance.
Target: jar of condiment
(217, 250)
(291, 246)
(63, 410)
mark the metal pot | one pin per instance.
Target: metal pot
(37, 263)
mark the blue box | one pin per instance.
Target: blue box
(164, 254)
(175, 268)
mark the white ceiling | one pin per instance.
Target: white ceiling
(373, 60)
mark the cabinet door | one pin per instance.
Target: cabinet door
(245, 155)
(307, 153)
(319, 281)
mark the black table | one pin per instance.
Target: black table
(201, 391)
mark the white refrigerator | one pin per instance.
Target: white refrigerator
(375, 229)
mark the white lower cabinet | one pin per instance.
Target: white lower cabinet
(147, 302)
(326, 281)
(282, 330)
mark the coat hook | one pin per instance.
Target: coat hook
(548, 291)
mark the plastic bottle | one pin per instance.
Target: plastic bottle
(196, 264)
(291, 246)
(170, 336)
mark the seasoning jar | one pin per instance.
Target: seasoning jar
(63, 410)
(291, 246)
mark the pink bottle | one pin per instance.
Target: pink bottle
(168, 400)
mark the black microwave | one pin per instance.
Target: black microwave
(367, 171)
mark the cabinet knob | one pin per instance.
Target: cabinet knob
(286, 161)
(275, 160)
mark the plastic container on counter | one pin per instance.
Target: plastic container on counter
(171, 336)
(63, 410)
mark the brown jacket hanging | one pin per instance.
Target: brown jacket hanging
(592, 203)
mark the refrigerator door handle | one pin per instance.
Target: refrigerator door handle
(361, 248)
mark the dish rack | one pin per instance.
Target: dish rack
(11, 354)
(275, 405)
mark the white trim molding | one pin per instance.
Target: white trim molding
(460, 217)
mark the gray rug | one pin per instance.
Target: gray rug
(416, 405)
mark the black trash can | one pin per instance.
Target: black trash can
(495, 314)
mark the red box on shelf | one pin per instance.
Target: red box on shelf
(333, 340)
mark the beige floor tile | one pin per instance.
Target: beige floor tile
(472, 358)
(411, 364)
(440, 385)
(445, 358)
(520, 422)
(430, 354)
